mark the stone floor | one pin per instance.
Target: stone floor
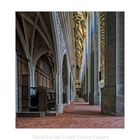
(77, 115)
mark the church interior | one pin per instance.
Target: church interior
(69, 69)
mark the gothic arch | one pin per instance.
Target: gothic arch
(36, 33)
(55, 41)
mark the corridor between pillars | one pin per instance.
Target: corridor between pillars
(77, 115)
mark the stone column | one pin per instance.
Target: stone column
(113, 92)
(96, 59)
(59, 106)
(88, 45)
(32, 77)
(120, 63)
(73, 95)
(68, 90)
(86, 77)
(57, 89)
(91, 51)
(94, 94)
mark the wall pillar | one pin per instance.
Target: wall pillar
(57, 89)
(94, 94)
(59, 105)
(32, 77)
(68, 90)
(120, 64)
(96, 59)
(73, 90)
(91, 93)
(88, 45)
(113, 92)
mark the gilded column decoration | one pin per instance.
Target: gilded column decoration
(80, 19)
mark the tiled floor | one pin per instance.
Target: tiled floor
(77, 115)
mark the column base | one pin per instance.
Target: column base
(108, 105)
(93, 100)
(68, 102)
(120, 105)
(96, 100)
(111, 104)
(59, 108)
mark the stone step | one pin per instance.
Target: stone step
(51, 113)
(36, 114)
(30, 114)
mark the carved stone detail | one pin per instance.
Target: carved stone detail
(60, 31)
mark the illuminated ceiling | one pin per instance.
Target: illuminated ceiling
(79, 34)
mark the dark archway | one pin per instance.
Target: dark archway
(44, 99)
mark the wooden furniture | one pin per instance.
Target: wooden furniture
(43, 101)
(50, 100)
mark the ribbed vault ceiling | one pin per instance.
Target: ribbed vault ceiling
(35, 31)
